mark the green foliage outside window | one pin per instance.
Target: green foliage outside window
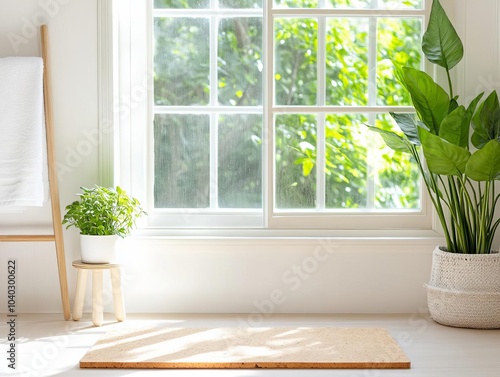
(354, 158)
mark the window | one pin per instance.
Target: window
(258, 113)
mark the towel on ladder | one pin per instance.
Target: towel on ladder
(23, 163)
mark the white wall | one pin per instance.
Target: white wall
(72, 28)
(334, 274)
(479, 26)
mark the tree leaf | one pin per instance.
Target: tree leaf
(392, 139)
(484, 164)
(441, 43)
(429, 99)
(307, 166)
(408, 125)
(443, 157)
(486, 122)
(455, 128)
(305, 145)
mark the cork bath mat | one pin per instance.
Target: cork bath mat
(203, 348)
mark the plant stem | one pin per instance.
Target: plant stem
(456, 215)
(449, 82)
(483, 216)
(432, 186)
(494, 200)
(469, 216)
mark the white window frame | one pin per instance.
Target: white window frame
(361, 219)
(203, 217)
(133, 168)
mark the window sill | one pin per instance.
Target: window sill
(176, 236)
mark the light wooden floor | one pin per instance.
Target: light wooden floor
(49, 346)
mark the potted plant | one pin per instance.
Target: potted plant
(102, 214)
(460, 164)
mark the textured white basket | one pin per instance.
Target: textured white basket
(464, 289)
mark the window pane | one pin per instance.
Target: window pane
(359, 4)
(184, 4)
(240, 3)
(397, 177)
(295, 63)
(296, 3)
(359, 172)
(380, 4)
(240, 161)
(240, 61)
(354, 4)
(347, 61)
(181, 56)
(295, 161)
(182, 172)
(404, 51)
(398, 4)
(346, 161)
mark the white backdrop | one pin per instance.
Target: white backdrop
(234, 275)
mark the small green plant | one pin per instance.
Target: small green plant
(460, 180)
(103, 211)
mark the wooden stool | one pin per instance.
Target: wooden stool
(81, 282)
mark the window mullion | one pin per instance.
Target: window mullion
(202, 13)
(214, 158)
(372, 59)
(372, 101)
(321, 61)
(214, 26)
(214, 134)
(320, 163)
(269, 166)
(372, 173)
(320, 120)
(342, 109)
(203, 109)
(347, 12)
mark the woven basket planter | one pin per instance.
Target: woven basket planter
(464, 289)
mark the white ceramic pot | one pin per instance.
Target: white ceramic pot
(98, 249)
(464, 289)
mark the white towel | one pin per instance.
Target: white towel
(22, 132)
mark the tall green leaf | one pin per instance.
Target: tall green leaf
(453, 104)
(408, 125)
(443, 157)
(441, 43)
(486, 122)
(429, 99)
(392, 139)
(458, 133)
(473, 105)
(455, 128)
(484, 164)
(398, 73)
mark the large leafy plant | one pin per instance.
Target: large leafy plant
(103, 211)
(460, 178)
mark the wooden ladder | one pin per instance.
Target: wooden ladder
(57, 235)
